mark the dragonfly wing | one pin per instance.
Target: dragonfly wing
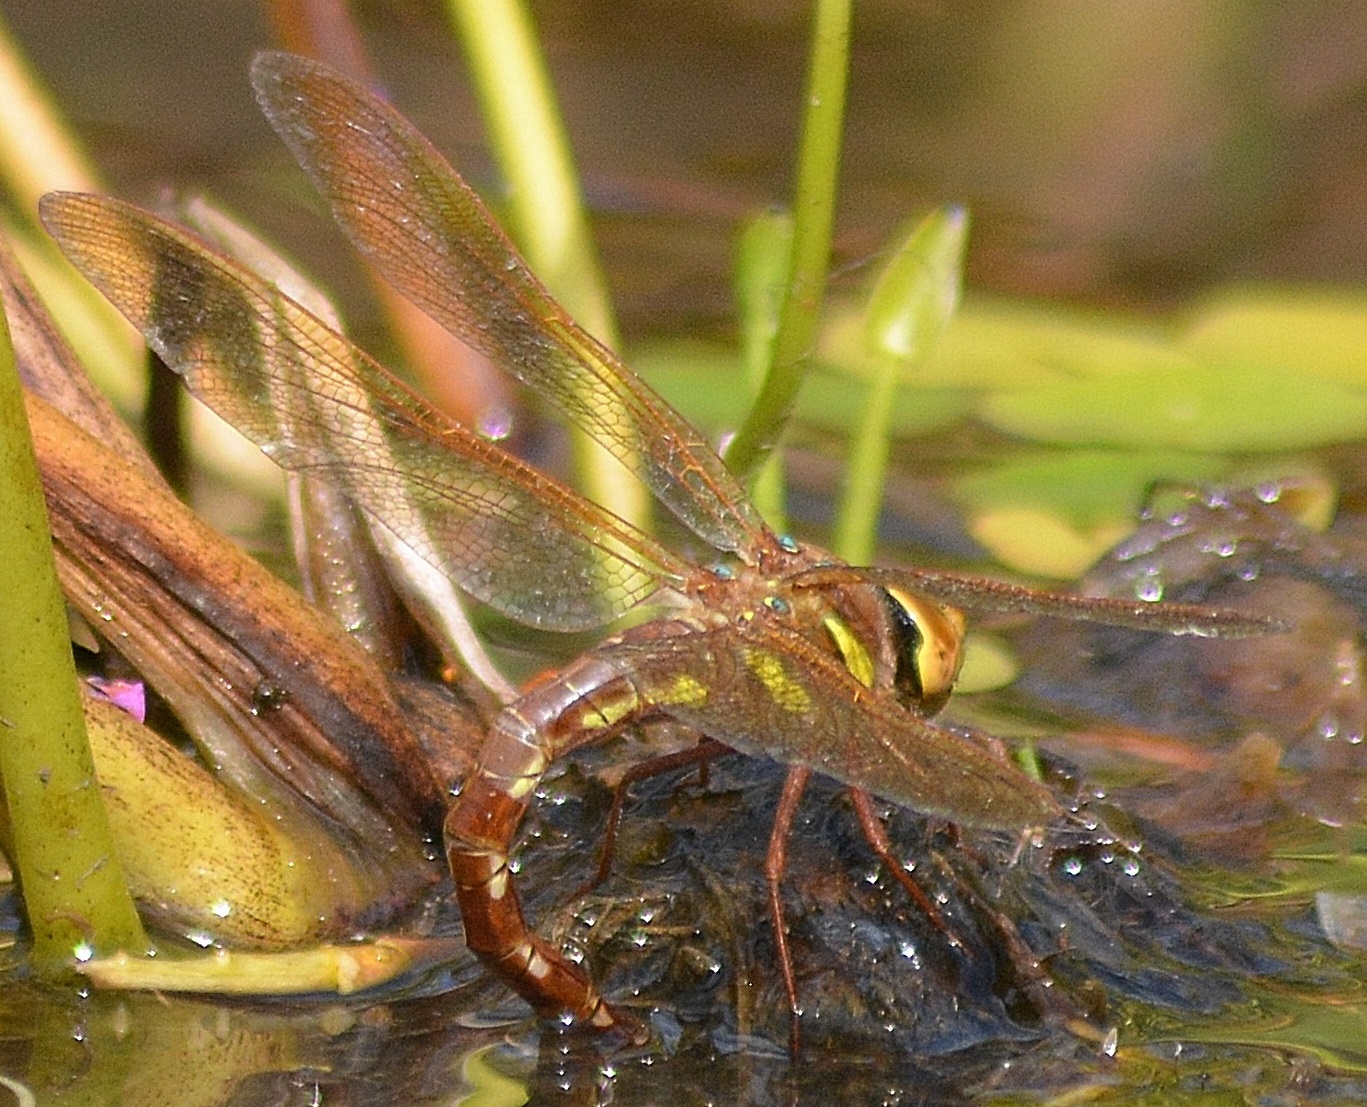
(314, 402)
(776, 694)
(981, 594)
(411, 214)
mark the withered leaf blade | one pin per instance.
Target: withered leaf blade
(211, 629)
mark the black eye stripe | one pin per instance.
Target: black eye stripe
(907, 641)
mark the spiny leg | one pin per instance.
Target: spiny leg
(1027, 967)
(877, 837)
(705, 751)
(775, 861)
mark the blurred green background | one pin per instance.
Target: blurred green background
(1125, 154)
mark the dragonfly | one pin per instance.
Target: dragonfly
(770, 647)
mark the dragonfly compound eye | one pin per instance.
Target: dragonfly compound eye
(929, 648)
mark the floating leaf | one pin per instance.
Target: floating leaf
(1043, 544)
(992, 345)
(1242, 408)
(989, 663)
(1321, 332)
(1054, 514)
(1084, 486)
(705, 382)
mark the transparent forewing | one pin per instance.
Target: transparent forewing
(317, 404)
(999, 597)
(776, 694)
(409, 212)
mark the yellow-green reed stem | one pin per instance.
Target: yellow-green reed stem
(545, 208)
(813, 215)
(856, 528)
(75, 895)
(912, 301)
(37, 153)
(763, 251)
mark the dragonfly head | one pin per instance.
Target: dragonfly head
(891, 637)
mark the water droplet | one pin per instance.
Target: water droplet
(1149, 588)
(1328, 725)
(1269, 492)
(495, 423)
(1073, 866)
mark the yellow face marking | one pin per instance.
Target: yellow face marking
(942, 634)
(686, 691)
(852, 650)
(788, 693)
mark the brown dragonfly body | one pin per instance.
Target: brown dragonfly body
(766, 666)
(774, 650)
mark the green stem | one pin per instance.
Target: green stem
(545, 206)
(74, 890)
(37, 152)
(813, 217)
(910, 304)
(856, 528)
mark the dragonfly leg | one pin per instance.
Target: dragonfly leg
(775, 861)
(705, 751)
(877, 837)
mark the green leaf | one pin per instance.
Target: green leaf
(706, 383)
(993, 345)
(1245, 408)
(1051, 513)
(1085, 487)
(1322, 332)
